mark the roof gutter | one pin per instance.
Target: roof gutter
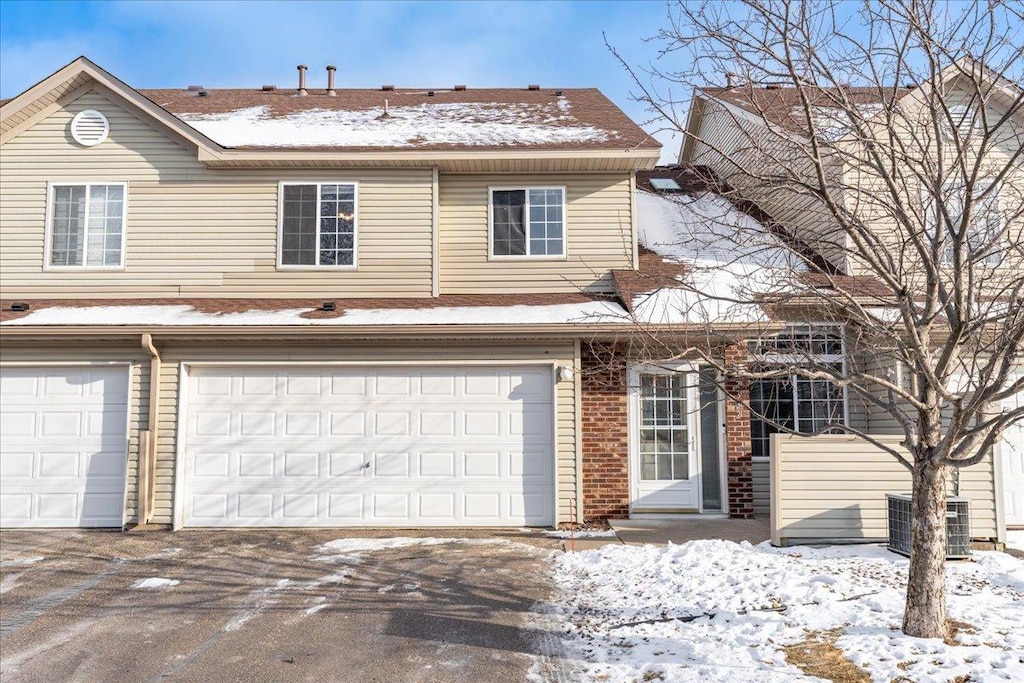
(647, 157)
(374, 332)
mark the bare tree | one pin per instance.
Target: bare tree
(885, 139)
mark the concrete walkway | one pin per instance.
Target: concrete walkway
(690, 528)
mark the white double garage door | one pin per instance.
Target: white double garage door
(289, 446)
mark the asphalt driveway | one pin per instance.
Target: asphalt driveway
(273, 605)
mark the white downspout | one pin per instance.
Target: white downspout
(148, 437)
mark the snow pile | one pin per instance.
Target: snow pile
(182, 314)
(586, 533)
(719, 611)
(472, 124)
(155, 582)
(733, 260)
(21, 561)
(706, 227)
(351, 550)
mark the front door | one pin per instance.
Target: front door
(665, 475)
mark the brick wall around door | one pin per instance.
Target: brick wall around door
(606, 435)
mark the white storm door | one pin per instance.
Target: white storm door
(1012, 453)
(664, 465)
(63, 445)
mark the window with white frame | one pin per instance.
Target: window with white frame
(792, 402)
(984, 229)
(528, 221)
(87, 223)
(318, 224)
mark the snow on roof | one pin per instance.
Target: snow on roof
(707, 227)
(177, 315)
(473, 124)
(732, 259)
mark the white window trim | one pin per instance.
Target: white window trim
(280, 224)
(824, 358)
(491, 189)
(48, 235)
(983, 184)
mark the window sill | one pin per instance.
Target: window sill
(84, 269)
(561, 257)
(315, 268)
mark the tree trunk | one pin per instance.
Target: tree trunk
(925, 614)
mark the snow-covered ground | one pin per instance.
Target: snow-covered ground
(720, 611)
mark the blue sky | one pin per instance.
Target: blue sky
(222, 44)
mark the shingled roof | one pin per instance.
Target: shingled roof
(783, 106)
(423, 119)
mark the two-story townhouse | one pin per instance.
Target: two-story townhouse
(304, 306)
(335, 307)
(755, 139)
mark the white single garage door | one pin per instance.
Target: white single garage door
(63, 446)
(398, 446)
(1013, 467)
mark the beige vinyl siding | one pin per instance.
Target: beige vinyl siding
(42, 103)
(762, 488)
(174, 354)
(196, 232)
(833, 487)
(138, 396)
(745, 153)
(857, 417)
(598, 227)
(867, 194)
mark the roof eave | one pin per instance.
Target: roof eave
(630, 159)
(83, 65)
(549, 330)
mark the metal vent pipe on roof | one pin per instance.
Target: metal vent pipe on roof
(330, 80)
(302, 80)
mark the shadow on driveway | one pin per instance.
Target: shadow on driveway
(266, 605)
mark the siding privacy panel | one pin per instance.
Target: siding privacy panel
(833, 487)
(138, 398)
(174, 354)
(192, 231)
(598, 229)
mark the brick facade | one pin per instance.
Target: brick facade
(739, 461)
(605, 436)
(605, 433)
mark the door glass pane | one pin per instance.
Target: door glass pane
(710, 473)
(664, 438)
(648, 469)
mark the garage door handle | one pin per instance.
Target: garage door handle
(365, 466)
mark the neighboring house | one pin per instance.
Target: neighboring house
(744, 134)
(335, 307)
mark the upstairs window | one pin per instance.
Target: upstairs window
(86, 225)
(792, 402)
(318, 225)
(983, 242)
(528, 222)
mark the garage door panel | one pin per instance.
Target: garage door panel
(394, 446)
(63, 446)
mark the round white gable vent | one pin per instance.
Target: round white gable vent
(89, 127)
